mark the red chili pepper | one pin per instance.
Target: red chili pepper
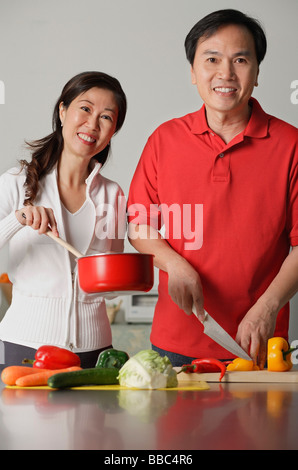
(52, 357)
(187, 368)
(205, 365)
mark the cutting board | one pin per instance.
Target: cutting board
(260, 376)
(199, 381)
(191, 385)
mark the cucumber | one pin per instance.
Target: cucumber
(99, 376)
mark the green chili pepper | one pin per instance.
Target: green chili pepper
(112, 358)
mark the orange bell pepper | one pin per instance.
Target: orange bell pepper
(278, 357)
(242, 365)
(4, 279)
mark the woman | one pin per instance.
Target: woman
(62, 189)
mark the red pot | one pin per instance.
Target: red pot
(116, 272)
(112, 272)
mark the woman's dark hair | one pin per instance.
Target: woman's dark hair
(208, 25)
(46, 151)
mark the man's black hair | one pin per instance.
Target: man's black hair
(208, 25)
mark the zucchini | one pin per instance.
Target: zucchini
(99, 376)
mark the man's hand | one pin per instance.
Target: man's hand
(254, 330)
(184, 286)
(258, 325)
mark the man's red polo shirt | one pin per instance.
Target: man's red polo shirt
(238, 200)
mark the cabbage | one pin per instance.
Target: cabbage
(147, 369)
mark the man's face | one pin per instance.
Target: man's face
(225, 69)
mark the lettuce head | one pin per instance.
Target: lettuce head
(147, 369)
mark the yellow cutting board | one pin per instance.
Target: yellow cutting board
(198, 381)
(191, 385)
(261, 376)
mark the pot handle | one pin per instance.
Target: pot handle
(63, 243)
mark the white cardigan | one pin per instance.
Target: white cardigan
(48, 307)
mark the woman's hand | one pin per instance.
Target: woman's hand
(39, 218)
(184, 286)
(254, 330)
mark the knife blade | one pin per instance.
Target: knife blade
(220, 336)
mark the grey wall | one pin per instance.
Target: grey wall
(44, 43)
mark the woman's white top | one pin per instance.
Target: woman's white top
(48, 306)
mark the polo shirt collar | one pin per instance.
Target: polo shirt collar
(200, 125)
(257, 125)
(259, 121)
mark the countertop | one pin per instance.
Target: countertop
(238, 416)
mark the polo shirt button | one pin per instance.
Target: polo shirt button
(221, 155)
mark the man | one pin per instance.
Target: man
(238, 166)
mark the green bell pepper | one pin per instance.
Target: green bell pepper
(112, 358)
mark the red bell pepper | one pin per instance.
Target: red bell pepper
(205, 365)
(52, 357)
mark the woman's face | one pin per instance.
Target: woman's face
(89, 122)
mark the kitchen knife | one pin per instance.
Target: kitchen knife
(220, 336)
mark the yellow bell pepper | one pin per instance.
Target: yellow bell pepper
(242, 365)
(278, 357)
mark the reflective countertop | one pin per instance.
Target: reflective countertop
(244, 416)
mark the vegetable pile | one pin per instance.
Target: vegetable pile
(59, 368)
(278, 360)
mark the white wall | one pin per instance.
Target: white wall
(44, 43)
